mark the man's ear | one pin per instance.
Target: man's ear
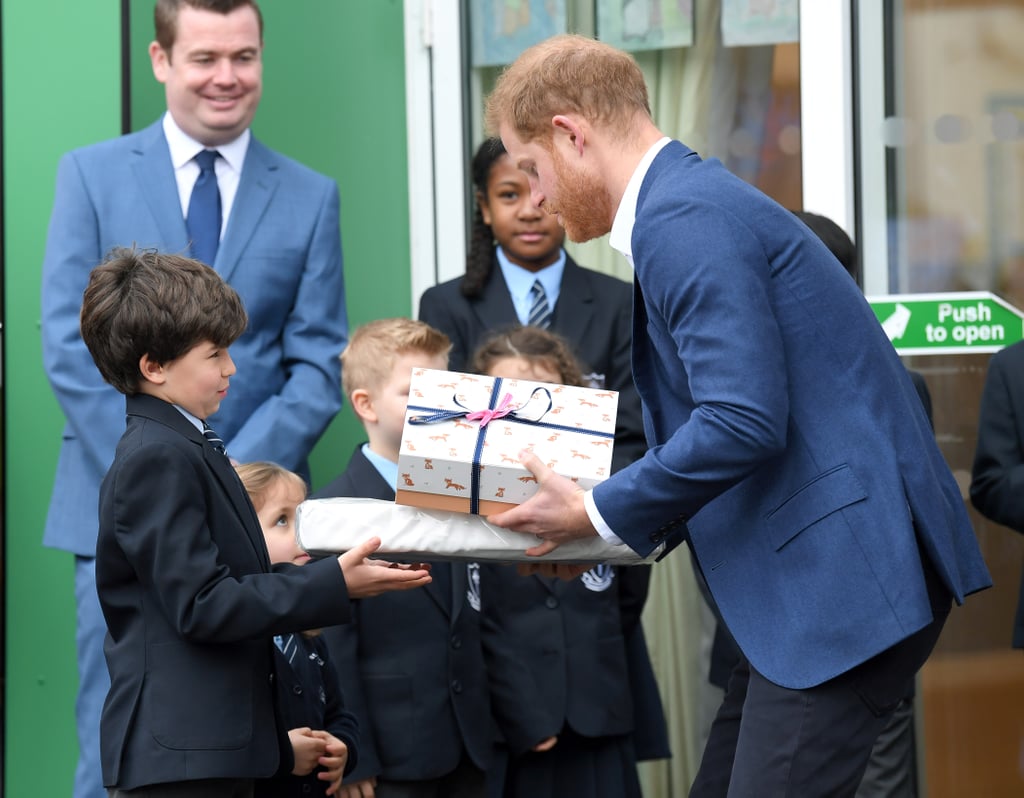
(362, 404)
(570, 128)
(161, 61)
(152, 371)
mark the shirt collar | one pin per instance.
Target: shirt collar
(184, 148)
(387, 470)
(621, 237)
(520, 280)
(193, 420)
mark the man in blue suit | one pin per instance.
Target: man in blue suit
(831, 534)
(279, 247)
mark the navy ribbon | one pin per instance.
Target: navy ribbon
(438, 415)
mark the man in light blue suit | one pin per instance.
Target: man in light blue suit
(279, 247)
(788, 446)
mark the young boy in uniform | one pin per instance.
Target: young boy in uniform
(424, 644)
(189, 596)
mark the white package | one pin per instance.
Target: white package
(332, 526)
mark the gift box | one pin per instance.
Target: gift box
(333, 526)
(463, 434)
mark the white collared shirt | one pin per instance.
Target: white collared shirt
(184, 148)
(621, 239)
(520, 281)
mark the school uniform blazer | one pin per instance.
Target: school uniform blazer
(593, 314)
(281, 251)
(997, 483)
(788, 443)
(556, 655)
(411, 665)
(191, 605)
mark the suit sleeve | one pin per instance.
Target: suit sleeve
(93, 409)
(287, 425)
(997, 477)
(179, 563)
(715, 305)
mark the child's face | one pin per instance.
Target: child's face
(390, 400)
(519, 368)
(530, 237)
(277, 519)
(197, 381)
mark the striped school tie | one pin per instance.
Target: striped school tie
(540, 310)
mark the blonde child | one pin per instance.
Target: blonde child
(416, 667)
(323, 735)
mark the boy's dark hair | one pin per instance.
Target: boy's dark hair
(480, 257)
(533, 345)
(165, 16)
(832, 236)
(143, 302)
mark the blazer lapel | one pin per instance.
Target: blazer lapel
(574, 310)
(255, 188)
(157, 184)
(494, 308)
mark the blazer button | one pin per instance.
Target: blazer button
(551, 602)
(456, 686)
(297, 689)
(456, 642)
(270, 678)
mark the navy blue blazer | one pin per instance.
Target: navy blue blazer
(808, 515)
(191, 603)
(281, 251)
(593, 314)
(997, 478)
(411, 665)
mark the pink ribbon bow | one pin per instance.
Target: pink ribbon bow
(487, 416)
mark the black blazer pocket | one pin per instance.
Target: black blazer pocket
(192, 685)
(833, 490)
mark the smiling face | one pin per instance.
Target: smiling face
(213, 74)
(529, 237)
(196, 381)
(577, 197)
(277, 519)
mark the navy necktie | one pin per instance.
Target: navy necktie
(204, 213)
(215, 440)
(540, 310)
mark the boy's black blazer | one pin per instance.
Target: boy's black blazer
(191, 605)
(411, 665)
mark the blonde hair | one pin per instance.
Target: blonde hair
(258, 477)
(568, 74)
(535, 346)
(370, 356)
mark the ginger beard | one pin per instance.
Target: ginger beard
(583, 205)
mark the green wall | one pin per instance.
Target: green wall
(334, 99)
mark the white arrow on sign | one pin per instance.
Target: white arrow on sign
(896, 324)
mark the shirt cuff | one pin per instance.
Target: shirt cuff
(602, 528)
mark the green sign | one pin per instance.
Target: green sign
(939, 324)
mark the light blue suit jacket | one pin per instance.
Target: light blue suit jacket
(281, 251)
(787, 439)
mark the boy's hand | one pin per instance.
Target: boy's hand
(307, 749)
(333, 761)
(365, 577)
(545, 745)
(366, 788)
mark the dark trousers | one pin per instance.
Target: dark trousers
(200, 788)
(772, 742)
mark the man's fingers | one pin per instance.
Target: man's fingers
(534, 465)
(545, 547)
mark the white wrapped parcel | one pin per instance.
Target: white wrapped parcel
(333, 526)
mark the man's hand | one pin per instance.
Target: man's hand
(365, 577)
(555, 514)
